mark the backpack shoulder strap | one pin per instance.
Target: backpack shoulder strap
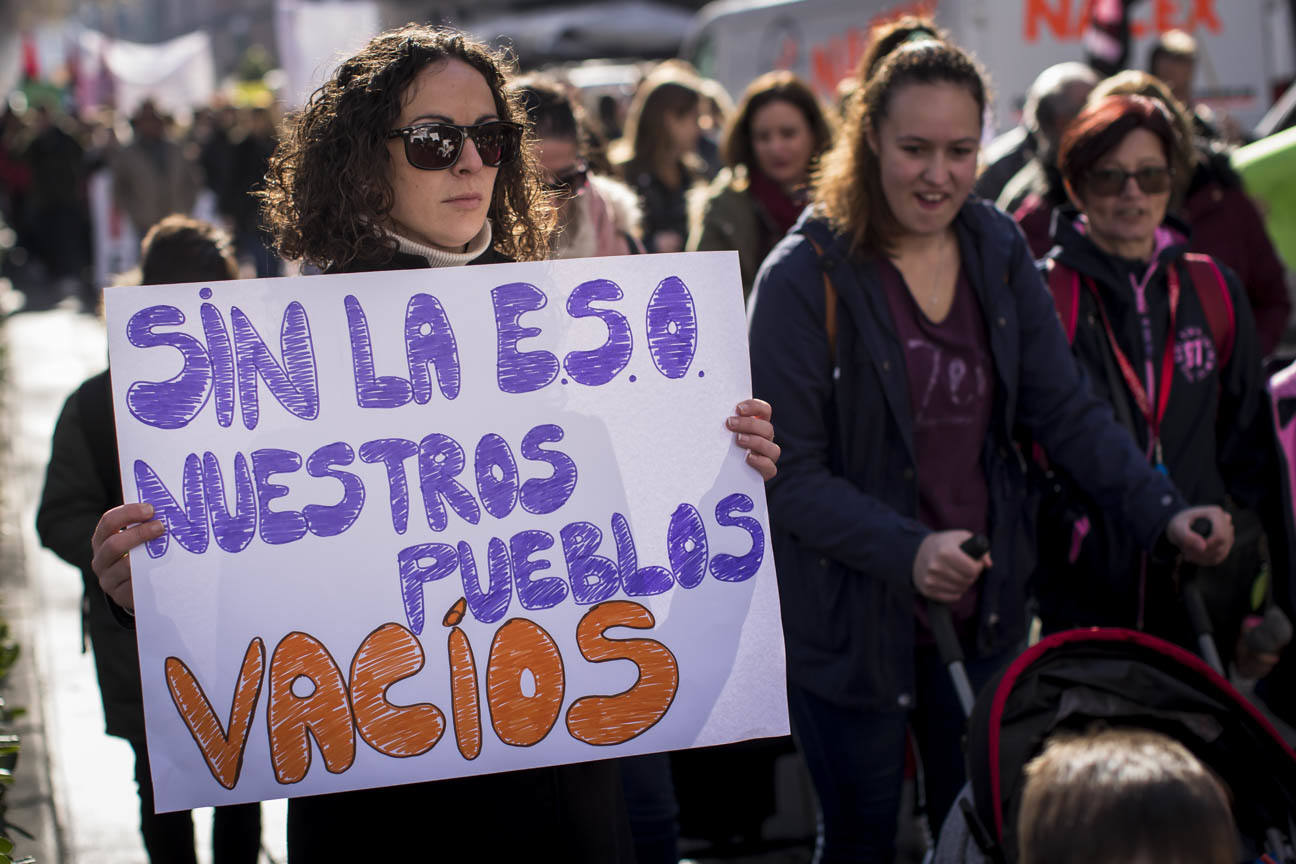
(1064, 285)
(1217, 303)
(830, 302)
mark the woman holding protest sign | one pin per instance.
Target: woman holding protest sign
(903, 331)
(410, 156)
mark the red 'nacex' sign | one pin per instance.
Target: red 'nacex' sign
(1066, 19)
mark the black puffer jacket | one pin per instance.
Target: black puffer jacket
(81, 483)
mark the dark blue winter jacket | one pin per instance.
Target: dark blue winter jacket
(844, 504)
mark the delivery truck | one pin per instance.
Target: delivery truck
(1245, 46)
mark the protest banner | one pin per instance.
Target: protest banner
(426, 524)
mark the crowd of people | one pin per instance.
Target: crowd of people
(79, 191)
(1057, 344)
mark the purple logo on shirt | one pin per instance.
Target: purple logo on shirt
(951, 394)
(1194, 354)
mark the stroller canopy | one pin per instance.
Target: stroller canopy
(1072, 680)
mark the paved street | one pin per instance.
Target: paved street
(75, 787)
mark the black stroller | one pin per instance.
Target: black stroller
(1074, 679)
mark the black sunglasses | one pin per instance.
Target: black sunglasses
(436, 146)
(1107, 182)
(572, 183)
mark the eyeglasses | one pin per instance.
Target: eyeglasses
(436, 146)
(1107, 182)
(572, 183)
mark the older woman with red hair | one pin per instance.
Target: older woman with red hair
(1166, 337)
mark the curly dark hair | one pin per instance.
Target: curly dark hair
(327, 192)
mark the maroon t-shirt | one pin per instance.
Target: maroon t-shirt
(951, 380)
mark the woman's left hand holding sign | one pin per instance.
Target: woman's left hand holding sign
(120, 530)
(755, 434)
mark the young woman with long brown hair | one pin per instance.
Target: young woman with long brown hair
(904, 333)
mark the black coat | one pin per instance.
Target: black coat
(81, 483)
(844, 504)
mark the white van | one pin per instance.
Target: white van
(1245, 46)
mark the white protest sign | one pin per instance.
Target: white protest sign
(433, 523)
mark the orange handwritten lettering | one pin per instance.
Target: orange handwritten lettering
(463, 695)
(386, 656)
(324, 713)
(222, 750)
(607, 720)
(522, 645)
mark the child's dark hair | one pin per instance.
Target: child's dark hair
(181, 249)
(1121, 796)
(848, 185)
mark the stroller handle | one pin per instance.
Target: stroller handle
(1196, 608)
(941, 621)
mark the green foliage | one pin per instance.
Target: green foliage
(10, 747)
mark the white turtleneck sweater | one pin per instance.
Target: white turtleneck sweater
(441, 258)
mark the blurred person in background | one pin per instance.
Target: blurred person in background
(717, 108)
(1209, 198)
(903, 333)
(57, 216)
(1060, 92)
(610, 112)
(1173, 59)
(773, 141)
(152, 175)
(657, 156)
(101, 140)
(15, 175)
(1048, 107)
(213, 133)
(597, 215)
(1170, 343)
(248, 163)
(81, 482)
